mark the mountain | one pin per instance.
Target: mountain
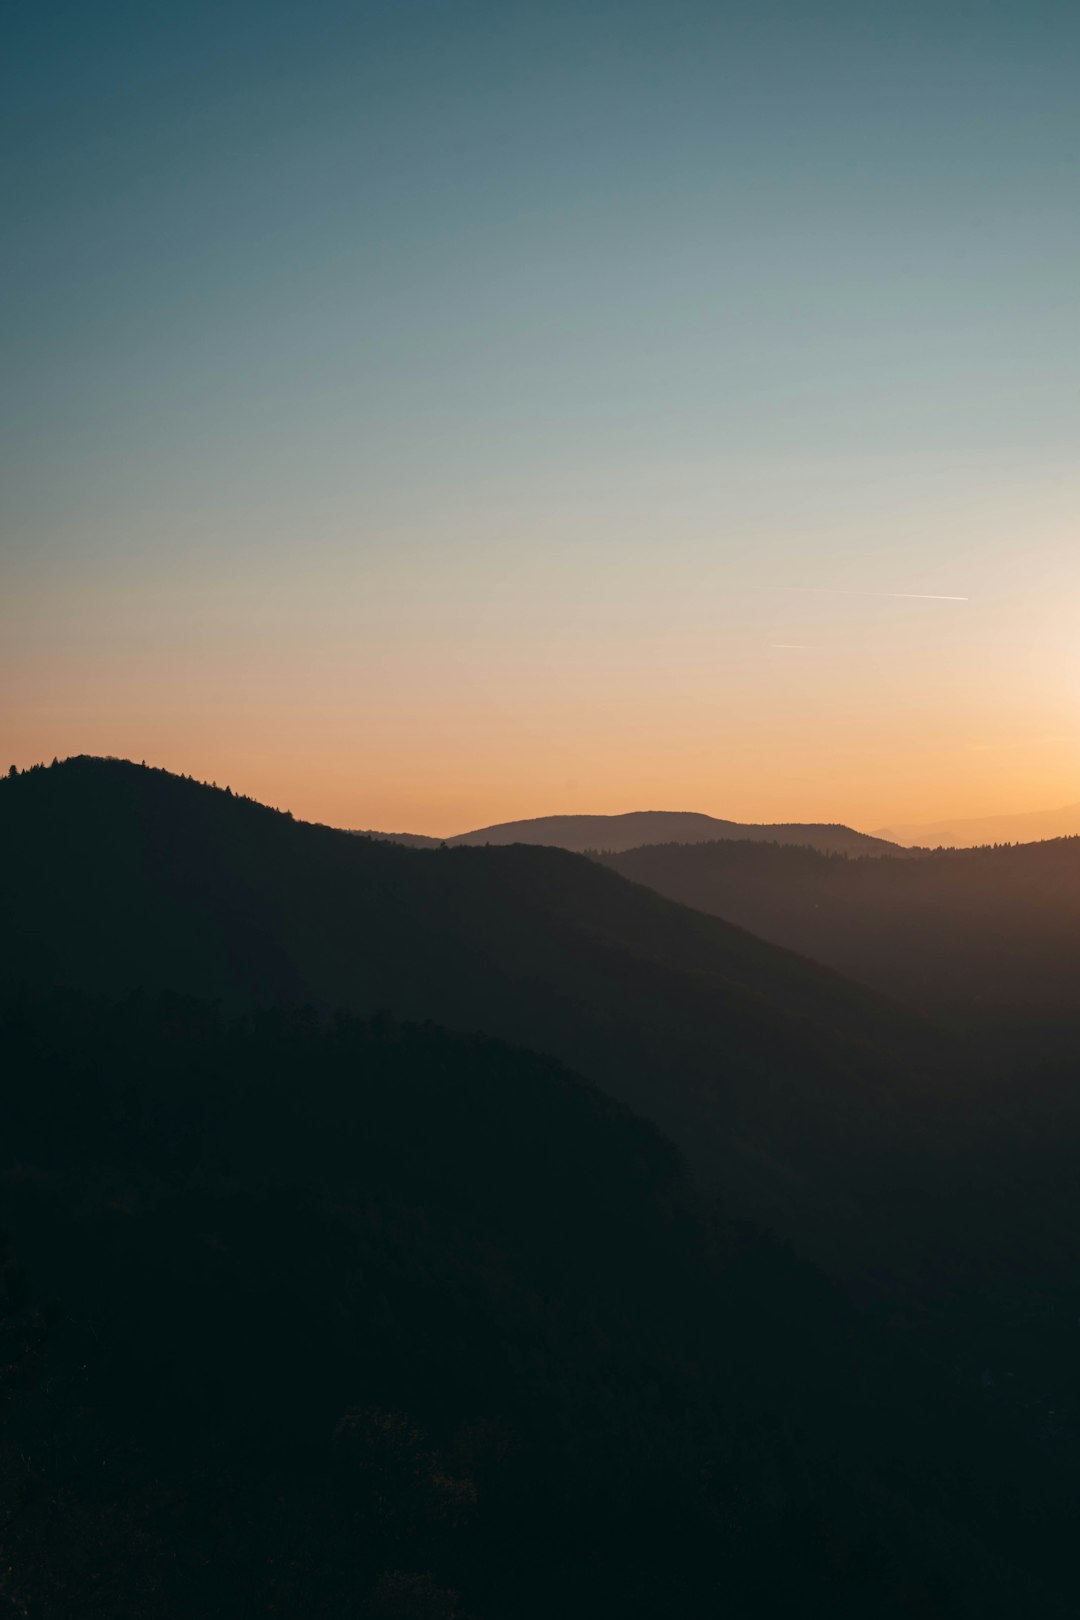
(801, 1095)
(306, 1310)
(627, 831)
(988, 938)
(967, 833)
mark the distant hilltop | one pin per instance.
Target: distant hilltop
(637, 827)
(970, 832)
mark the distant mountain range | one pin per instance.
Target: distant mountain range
(636, 827)
(969, 832)
(987, 937)
(615, 834)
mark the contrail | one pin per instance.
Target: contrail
(902, 596)
(792, 646)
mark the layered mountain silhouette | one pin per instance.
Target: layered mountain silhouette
(967, 833)
(582, 833)
(802, 1095)
(316, 1300)
(988, 938)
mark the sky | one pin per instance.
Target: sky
(421, 415)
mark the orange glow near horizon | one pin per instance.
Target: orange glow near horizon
(421, 423)
(434, 699)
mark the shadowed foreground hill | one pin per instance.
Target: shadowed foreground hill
(370, 1322)
(987, 937)
(803, 1097)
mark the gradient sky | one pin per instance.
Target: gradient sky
(422, 414)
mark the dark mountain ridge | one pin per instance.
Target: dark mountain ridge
(800, 1095)
(363, 1319)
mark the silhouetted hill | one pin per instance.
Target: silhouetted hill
(414, 840)
(971, 831)
(580, 833)
(371, 1322)
(987, 937)
(801, 1096)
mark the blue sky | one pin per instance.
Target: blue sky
(522, 298)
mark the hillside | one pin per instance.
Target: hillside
(372, 1322)
(800, 1095)
(365, 1319)
(988, 938)
(580, 833)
